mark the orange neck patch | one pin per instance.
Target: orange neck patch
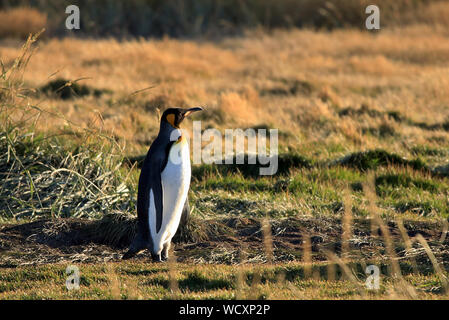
(181, 139)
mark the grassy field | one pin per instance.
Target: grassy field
(363, 172)
(140, 280)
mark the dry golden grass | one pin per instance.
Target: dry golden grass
(20, 22)
(298, 81)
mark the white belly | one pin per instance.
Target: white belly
(175, 186)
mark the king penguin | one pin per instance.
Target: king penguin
(162, 202)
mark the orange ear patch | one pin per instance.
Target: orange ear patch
(171, 119)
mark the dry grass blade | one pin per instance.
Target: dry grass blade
(408, 244)
(254, 289)
(133, 289)
(404, 287)
(347, 272)
(240, 284)
(307, 256)
(172, 275)
(115, 285)
(445, 230)
(331, 272)
(347, 224)
(436, 265)
(240, 274)
(79, 175)
(267, 240)
(369, 189)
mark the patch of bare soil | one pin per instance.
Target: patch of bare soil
(232, 240)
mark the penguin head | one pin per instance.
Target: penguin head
(174, 116)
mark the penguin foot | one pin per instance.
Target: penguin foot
(165, 251)
(156, 257)
(129, 255)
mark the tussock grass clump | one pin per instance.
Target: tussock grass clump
(423, 150)
(290, 87)
(44, 179)
(45, 175)
(373, 159)
(404, 180)
(116, 229)
(65, 89)
(365, 110)
(193, 231)
(442, 170)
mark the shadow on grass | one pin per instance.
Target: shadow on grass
(194, 281)
(65, 89)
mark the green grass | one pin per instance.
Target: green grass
(130, 280)
(321, 189)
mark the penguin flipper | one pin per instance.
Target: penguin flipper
(156, 183)
(158, 196)
(150, 189)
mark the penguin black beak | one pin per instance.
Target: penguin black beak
(192, 110)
